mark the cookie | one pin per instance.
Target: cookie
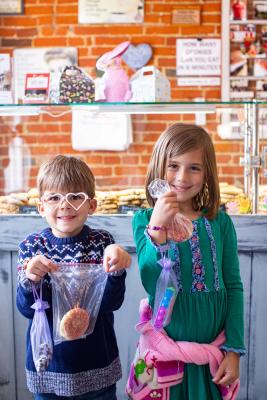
(33, 193)
(181, 230)
(74, 323)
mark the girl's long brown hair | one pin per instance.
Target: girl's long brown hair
(179, 139)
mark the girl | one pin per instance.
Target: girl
(210, 291)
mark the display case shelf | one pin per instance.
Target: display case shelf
(246, 124)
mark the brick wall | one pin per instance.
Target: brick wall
(54, 23)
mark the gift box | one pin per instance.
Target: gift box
(75, 86)
(148, 84)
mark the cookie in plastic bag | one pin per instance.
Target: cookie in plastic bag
(77, 291)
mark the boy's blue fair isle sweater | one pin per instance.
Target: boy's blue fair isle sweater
(83, 365)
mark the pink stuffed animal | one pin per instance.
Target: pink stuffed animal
(115, 82)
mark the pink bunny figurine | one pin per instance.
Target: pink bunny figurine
(115, 80)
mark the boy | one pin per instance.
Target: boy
(89, 368)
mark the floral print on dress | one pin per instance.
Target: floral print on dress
(198, 270)
(214, 256)
(175, 255)
(171, 250)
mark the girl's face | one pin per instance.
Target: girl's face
(66, 216)
(185, 175)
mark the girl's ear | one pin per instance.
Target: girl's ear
(93, 205)
(40, 208)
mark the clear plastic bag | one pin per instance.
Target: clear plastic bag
(166, 292)
(181, 228)
(41, 342)
(77, 291)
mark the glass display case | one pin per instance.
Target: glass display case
(116, 140)
(244, 61)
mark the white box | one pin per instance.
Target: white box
(148, 84)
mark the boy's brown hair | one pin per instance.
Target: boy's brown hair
(64, 173)
(179, 139)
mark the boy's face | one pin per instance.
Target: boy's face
(65, 212)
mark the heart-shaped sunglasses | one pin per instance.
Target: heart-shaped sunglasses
(75, 200)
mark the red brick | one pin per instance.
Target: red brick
(47, 135)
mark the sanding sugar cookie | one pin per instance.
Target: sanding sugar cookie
(74, 323)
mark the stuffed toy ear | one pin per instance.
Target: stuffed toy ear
(105, 59)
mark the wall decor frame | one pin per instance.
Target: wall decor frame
(10, 7)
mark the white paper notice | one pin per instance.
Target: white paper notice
(198, 57)
(100, 131)
(110, 11)
(198, 81)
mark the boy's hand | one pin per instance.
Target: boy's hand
(38, 267)
(228, 371)
(115, 258)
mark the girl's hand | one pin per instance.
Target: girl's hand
(163, 213)
(38, 267)
(228, 371)
(115, 258)
(165, 209)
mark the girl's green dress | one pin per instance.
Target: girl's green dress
(210, 296)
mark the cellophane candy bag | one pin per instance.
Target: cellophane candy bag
(181, 228)
(77, 291)
(41, 342)
(166, 292)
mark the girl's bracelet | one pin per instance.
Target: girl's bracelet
(156, 228)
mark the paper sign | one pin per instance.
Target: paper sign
(198, 57)
(36, 88)
(100, 131)
(198, 81)
(5, 79)
(186, 15)
(110, 11)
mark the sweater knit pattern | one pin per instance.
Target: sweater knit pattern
(78, 366)
(74, 384)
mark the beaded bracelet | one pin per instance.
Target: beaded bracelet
(157, 228)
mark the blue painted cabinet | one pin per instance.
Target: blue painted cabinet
(252, 243)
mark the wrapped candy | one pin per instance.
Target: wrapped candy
(41, 342)
(181, 228)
